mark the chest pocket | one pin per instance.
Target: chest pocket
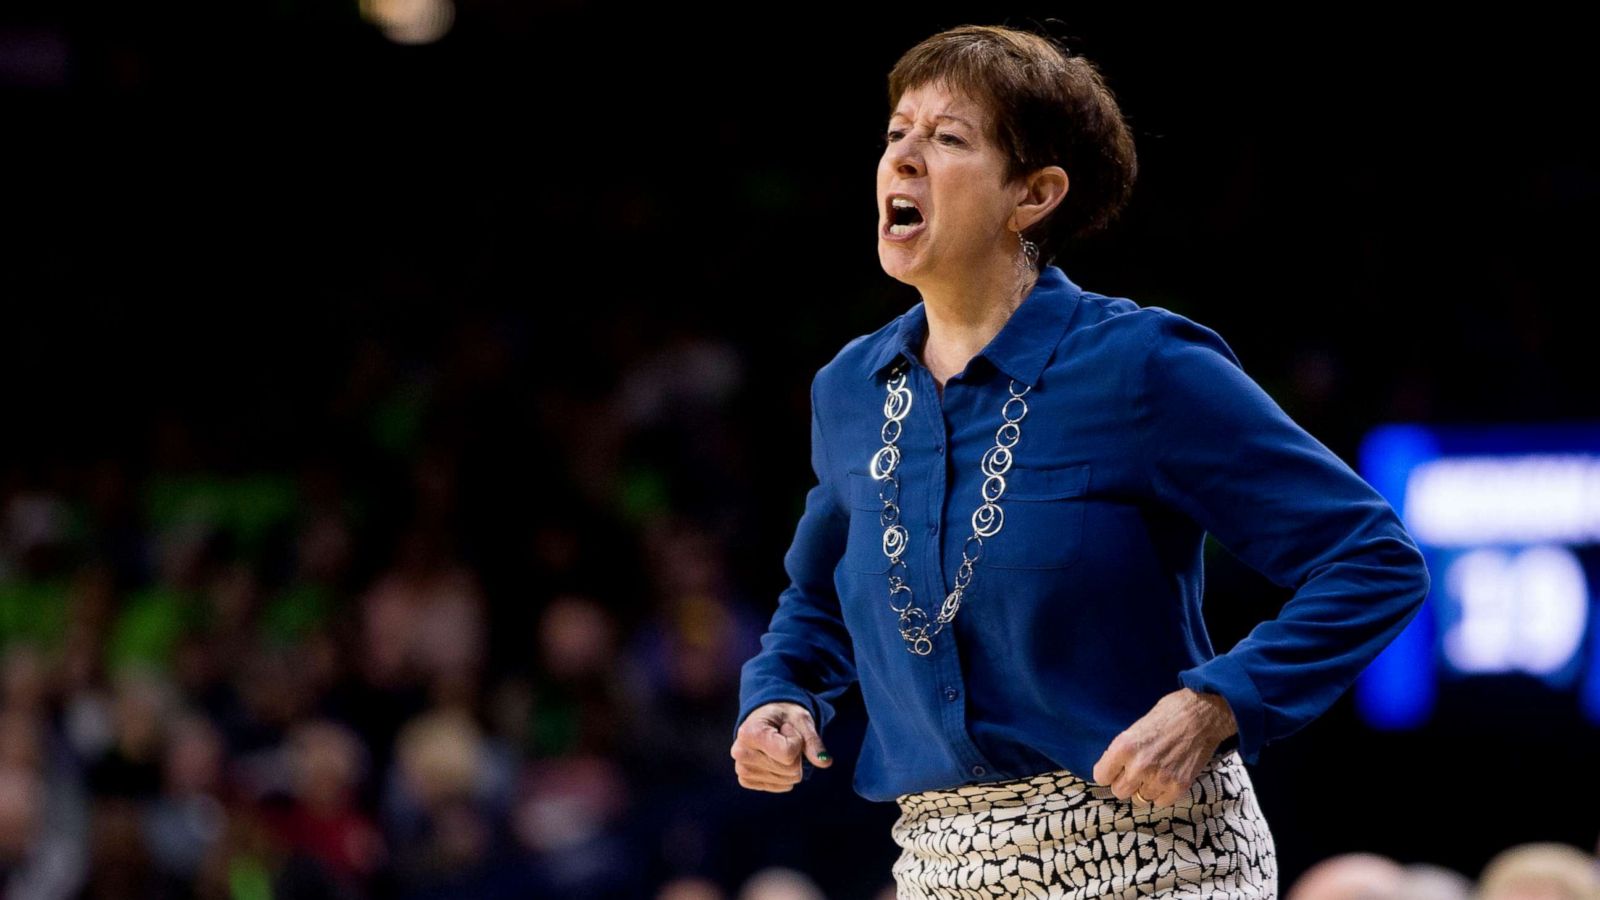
(863, 549)
(1044, 513)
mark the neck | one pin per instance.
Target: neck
(963, 316)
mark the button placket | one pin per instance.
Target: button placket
(946, 655)
(938, 484)
(955, 714)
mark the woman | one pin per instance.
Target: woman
(1004, 545)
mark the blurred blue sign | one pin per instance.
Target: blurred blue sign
(1509, 519)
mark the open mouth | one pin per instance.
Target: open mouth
(903, 218)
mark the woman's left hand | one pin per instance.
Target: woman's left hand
(1161, 754)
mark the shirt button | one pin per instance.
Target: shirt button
(941, 449)
(978, 770)
(949, 693)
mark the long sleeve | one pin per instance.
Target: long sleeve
(1218, 448)
(806, 654)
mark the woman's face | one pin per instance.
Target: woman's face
(937, 154)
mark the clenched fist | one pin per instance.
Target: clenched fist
(767, 753)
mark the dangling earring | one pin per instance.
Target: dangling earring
(1030, 251)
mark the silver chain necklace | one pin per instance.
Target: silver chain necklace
(986, 519)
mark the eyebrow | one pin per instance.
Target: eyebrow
(937, 118)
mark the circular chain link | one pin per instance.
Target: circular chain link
(987, 519)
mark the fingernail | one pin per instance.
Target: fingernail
(824, 756)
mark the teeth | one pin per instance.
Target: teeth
(902, 202)
(904, 229)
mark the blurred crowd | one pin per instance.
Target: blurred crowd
(393, 669)
(1537, 870)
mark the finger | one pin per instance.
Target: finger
(761, 782)
(1112, 762)
(751, 776)
(1159, 789)
(795, 743)
(771, 786)
(813, 742)
(782, 749)
(760, 769)
(1129, 781)
(786, 744)
(1175, 794)
(752, 755)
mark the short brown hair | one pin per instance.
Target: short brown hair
(1047, 107)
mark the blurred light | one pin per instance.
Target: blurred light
(410, 21)
(1469, 501)
(1523, 611)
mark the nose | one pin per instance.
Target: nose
(905, 156)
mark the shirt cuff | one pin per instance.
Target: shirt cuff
(1223, 675)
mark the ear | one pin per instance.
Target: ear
(1043, 191)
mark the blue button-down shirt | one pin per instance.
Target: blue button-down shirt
(1142, 433)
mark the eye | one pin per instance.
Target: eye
(890, 136)
(953, 140)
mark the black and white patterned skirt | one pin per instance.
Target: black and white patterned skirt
(1055, 835)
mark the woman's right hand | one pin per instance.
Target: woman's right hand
(767, 751)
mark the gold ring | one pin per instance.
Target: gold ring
(1140, 796)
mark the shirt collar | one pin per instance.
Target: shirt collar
(1024, 343)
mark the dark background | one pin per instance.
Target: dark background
(546, 296)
